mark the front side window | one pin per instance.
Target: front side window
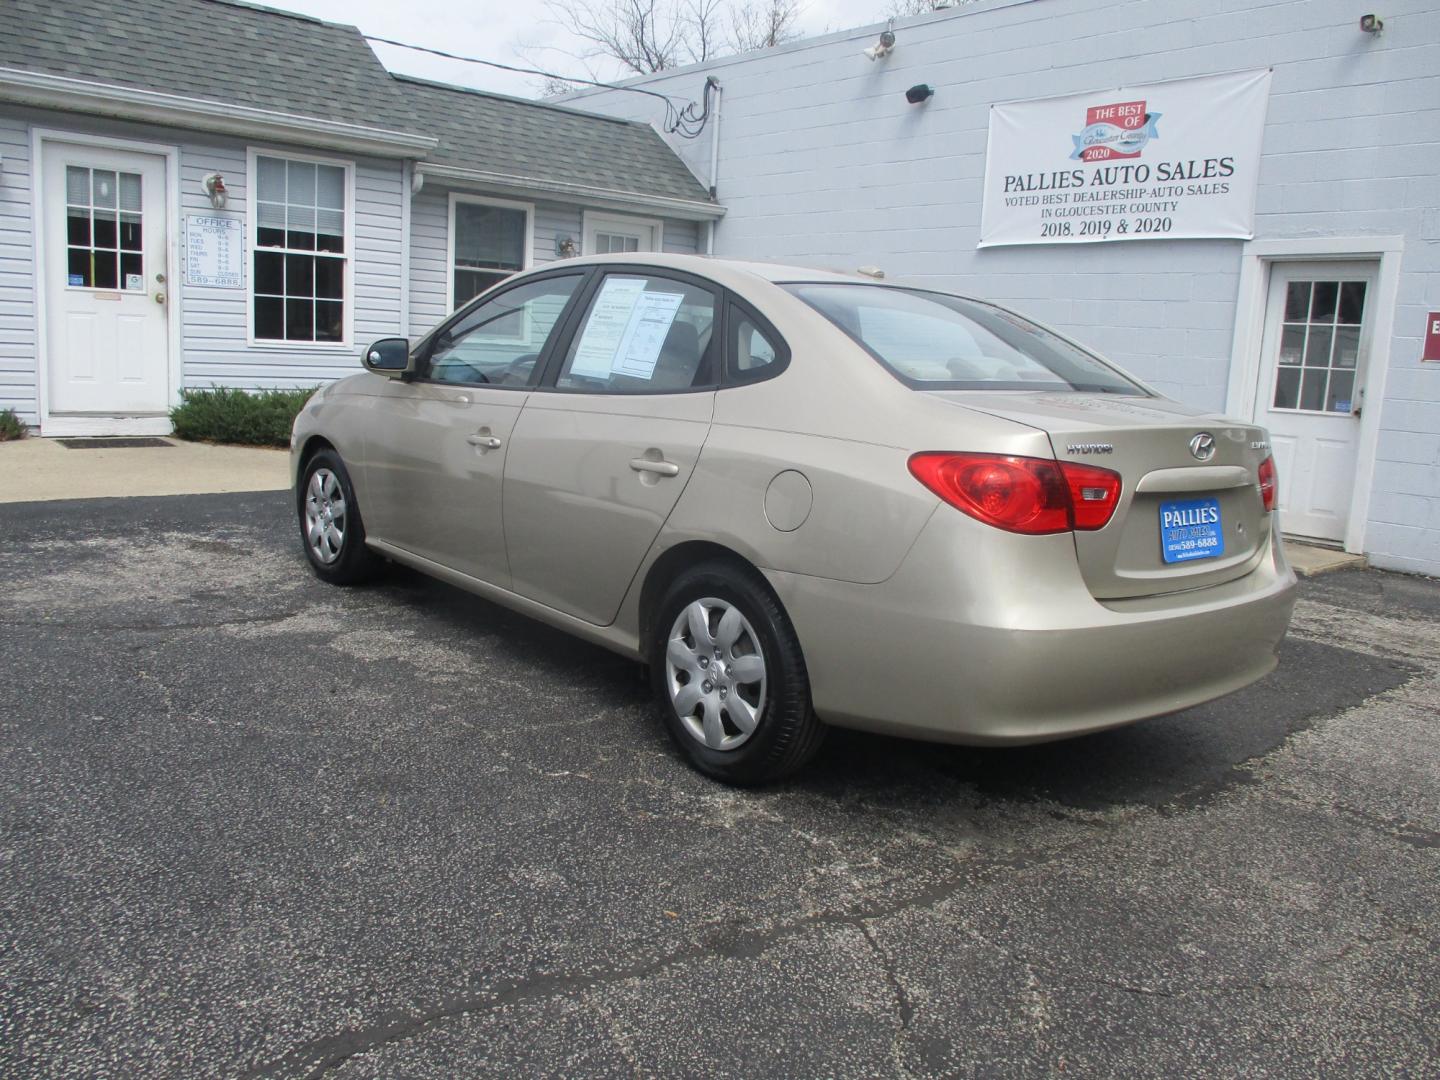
(301, 251)
(935, 341)
(499, 340)
(642, 334)
(490, 245)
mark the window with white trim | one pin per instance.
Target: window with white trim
(491, 242)
(301, 251)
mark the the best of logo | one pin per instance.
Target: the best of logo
(1115, 131)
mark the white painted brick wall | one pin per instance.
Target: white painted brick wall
(823, 162)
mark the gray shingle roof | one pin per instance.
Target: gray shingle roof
(232, 52)
(218, 50)
(522, 138)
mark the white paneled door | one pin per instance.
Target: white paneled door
(1310, 391)
(104, 231)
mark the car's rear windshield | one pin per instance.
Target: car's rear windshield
(935, 341)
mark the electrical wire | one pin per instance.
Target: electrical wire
(687, 121)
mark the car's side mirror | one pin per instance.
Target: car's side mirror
(389, 357)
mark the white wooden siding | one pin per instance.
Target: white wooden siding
(212, 321)
(554, 221)
(17, 273)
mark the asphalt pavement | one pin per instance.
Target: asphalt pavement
(253, 825)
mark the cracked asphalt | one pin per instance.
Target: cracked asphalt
(257, 826)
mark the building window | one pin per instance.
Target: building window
(490, 242)
(615, 243)
(103, 229)
(301, 250)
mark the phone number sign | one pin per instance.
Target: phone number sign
(1165, 161)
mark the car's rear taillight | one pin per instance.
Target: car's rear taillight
(1267, 483)
(1028, 495)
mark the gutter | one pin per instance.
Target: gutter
(151, 106)
(599, 197)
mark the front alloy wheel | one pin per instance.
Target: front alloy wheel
(325, 516)
(330, 524)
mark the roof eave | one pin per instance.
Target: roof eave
(591, 195)
(151, 106)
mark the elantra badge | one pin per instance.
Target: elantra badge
(1202, 446)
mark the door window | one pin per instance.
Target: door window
(615, 243)
(499, 341)
(1319, 346)
(104, 229)
(642, 334)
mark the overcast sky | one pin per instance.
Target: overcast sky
(515, 32)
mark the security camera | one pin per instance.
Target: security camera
(1371, 24)
(918, 93)
(883, 47)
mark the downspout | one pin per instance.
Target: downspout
(407, 171)
(713, 83)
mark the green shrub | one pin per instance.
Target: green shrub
(11, 426)
(261, 418)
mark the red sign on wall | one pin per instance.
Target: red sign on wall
(1432, 337)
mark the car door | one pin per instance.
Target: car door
(606, 445)
(436, 443)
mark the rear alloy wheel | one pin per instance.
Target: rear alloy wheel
(330, 524)
(731, 678)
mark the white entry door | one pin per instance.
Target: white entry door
(106, 339)
(1311, 389)
(610, 235)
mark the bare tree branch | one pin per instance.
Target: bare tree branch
(759, 25)
(646, 36)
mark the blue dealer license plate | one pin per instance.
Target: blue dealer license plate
(1190, 529)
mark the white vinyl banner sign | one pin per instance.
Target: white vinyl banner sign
(1160, 162)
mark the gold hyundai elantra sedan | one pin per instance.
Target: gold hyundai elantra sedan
(809, 499)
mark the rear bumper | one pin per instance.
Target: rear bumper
(988, 638)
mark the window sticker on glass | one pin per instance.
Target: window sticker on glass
(605, 329)
(645, 336)
(134, 281)
(626, 330)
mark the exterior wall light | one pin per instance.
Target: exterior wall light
(1371, 24)
(919, 92)
(214, 185)
(885, 46)
(565, 248)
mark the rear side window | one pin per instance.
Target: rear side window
(754, 352)
(642, 334)
(934, 341)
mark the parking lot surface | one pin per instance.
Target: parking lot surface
(257, 826)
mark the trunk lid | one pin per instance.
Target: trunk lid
(1147, 441)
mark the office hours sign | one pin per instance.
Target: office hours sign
(1171, 160)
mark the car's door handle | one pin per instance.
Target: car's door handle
(487, 442)
(660, 468)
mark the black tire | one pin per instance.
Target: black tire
(787, 733)
(353, 562)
